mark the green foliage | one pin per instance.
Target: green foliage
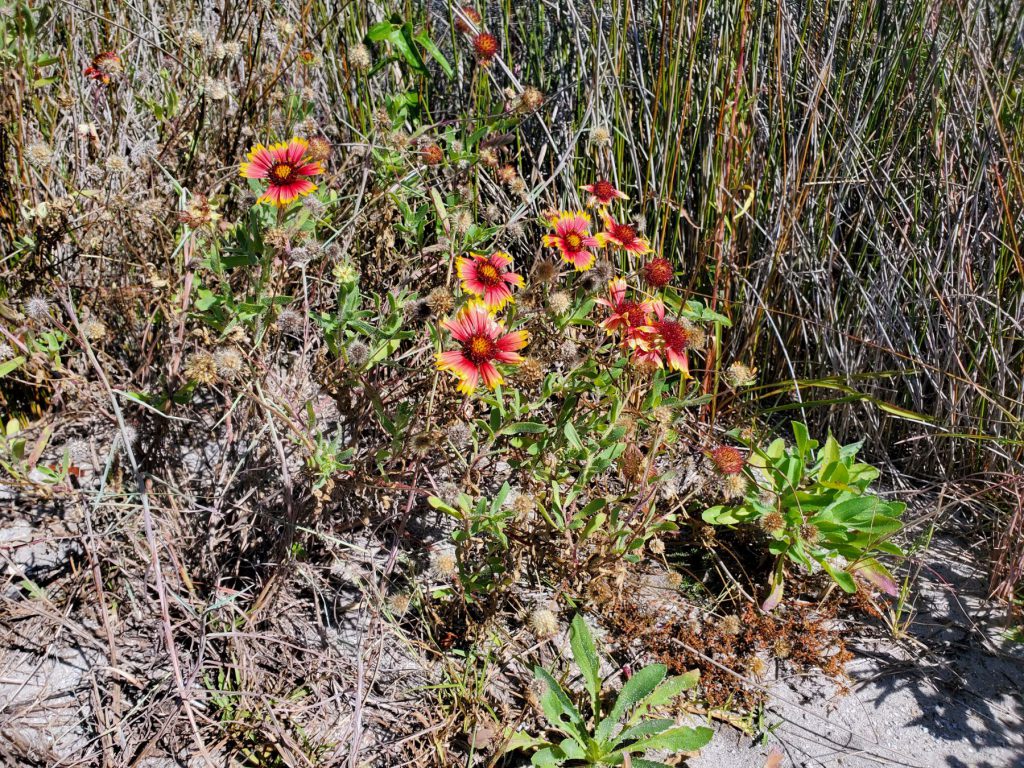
(818, 510)
(629, 727)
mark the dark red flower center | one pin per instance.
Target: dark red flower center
(634, 313)
(479, 349)
(624, 233)
(673, 335)
(485, 45)
(658, 272)
(727, 460)
(604, 191)
(488, 274)
(573, 241)
(282, 174)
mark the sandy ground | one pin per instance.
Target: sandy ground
(950, 696)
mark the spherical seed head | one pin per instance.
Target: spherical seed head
(663, 416)
(93, 329)
(810, 533)
(417, 312)
(232, 49)
(658, 272)
(631, 463)
(543, 622)
(290, 321)
(6, 351)
(782, 648)
(531, 99)
(507, 174)
(529, 373)
(359, 57)
(518, 186)
(727, 460)
(319, 149)
(739, 375)
(463, 221)
(734, 486)
(399, 604)
(601, 136)
(485, 46)
(37, 308)
(757, 666)
(440, 301)
(201, 367)
(524, 505)
(731, 625)
(488, 157)
(422, 443)
(443, 563)
(545, 271)
(559, 303)
(772, 522)
(229, 362)
(656, 546)
(39, 154)
(358, 354)
(674, 579)
(79, 452)
(432, 154)
(568, 352)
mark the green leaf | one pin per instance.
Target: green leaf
(424, 39)
(637, 688)
(842, 578)
(572, 436)
(560, 712)
(673, 687)
(521, 427)
(646, 728)
(681, 739)
(583, 650)
(11, 365)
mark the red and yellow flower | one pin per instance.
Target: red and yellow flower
(286, 167)
(485, 46)
(622, 235)
(489, 277)
(104, 67)
(602, 192)
(483, 343)
(630, 317)
(664, 338)
(572, 237)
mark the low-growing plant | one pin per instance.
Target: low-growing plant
(817, 508)
(600, 735)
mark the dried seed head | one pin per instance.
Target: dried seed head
(757, 666)
(559, 303)
(656, 546)
(443, 563)
(79, 452)
(37, 308)
(417, 312)
(6, 352)
(631, 463)
(568, 352)
(524, 505)
(229, 362)
(810, 533)
(674, 579)
(463, 221)
(663, 416)
(530, 100)
(772, 522)
(201, 367)
(459, 434)
(782, 648)
(731, 625)
(398, 604)
(545, 271)
(440, 301)
(543, 622)
(358, 354)
(432, 154)
(488, 157)
(39, 154)
(739, 375)
(600, 136)
(734, 486)
(232, 49)
(289, 321)
(359, 57)
(529, 373)
(93, 329)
